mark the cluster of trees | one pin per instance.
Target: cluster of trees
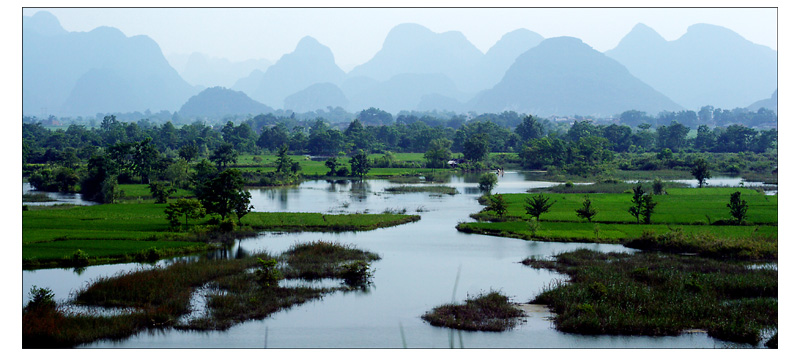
(143, 152)
(708, 115)
(375, 131)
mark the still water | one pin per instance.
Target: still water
(424, 264)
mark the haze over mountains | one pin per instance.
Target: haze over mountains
(709, 65)
(103, 71)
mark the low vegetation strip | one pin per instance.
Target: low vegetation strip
(648, 293)
(239, 290)
(324, 222)
(487, 312)
(435, 189)
(704, 244)
(614, 233)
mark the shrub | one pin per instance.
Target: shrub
(79, 258)
(356, 273)
(40, 299)
(267, 274)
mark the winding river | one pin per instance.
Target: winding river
(424, 264)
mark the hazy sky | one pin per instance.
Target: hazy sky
(356, 34)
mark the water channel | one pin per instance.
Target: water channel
(424, 264)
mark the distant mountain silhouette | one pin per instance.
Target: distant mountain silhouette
(414, 49)
(493, 65)
(217, 102)
(316, 96)
(771, 103)
(100, 71)
(310, 63)
(709, 65)
(564, 76)
(201, 69)
(402, 92)
(250, 83)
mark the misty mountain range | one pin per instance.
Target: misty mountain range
(103, 71)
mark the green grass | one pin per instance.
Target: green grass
(136, 191)
(659, 294)
(680, 206)
(123, 232)
(324, 222)
(683, 221)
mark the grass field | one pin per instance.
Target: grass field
(691, 211)
(680, 206)
(136, 191)
(120, 232)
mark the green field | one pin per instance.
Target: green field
(136, 191)
(690, 209)
(122, 232)
(311, 168)
(680, 206)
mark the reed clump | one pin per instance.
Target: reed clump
(486, 312)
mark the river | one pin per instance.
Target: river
(424, 264)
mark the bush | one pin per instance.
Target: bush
(40, 299)
(79, 258)
(267, 274)
(356, 273)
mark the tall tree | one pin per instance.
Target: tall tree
(438, 153)
(537, 205)
(586, 210)
(738, 207)
(359, 164)
(700, 171)
(476, 148)
(223, 155)
(224, 194)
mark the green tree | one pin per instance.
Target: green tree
(438, 153)
(486, 182)
(284, 162)
(530, 128)
(224, 155)
(586, 210)
(738, 207)
(160, 191)
(331, 164)
(638, 202)
(359, 164)
(700, 171)
(144, 157)
(186, 208)
(648, 208)
(224, 194)
(537, 205)
(189, 152)
(643, 205)
(476, 148)
(498, 205)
